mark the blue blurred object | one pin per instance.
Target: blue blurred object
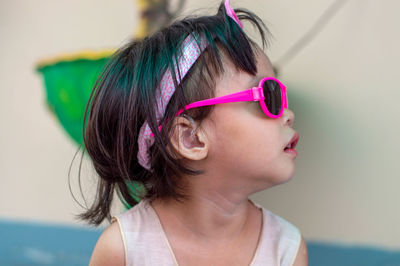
(24, 243)
(329, 254)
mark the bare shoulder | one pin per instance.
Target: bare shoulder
(109, 249)
(302, 254)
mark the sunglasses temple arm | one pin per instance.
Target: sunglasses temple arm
(242, 96)
(253, 94)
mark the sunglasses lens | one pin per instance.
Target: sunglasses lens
(273, 96)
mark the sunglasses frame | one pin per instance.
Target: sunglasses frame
(253, 94)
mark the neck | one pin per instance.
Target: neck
(209, 214)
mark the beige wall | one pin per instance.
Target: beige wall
(343, 88)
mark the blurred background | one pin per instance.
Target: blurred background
(343, 86)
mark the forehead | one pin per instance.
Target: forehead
(264, 66)
(233, 80)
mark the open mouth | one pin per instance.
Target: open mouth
(293, 142)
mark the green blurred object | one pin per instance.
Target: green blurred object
(68, 85)
(69, 78)
(68, 82)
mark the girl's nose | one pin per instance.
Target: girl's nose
(288, 117)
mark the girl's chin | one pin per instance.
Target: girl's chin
(278, 180)
(286, 177)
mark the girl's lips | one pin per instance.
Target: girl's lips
(289, 148)
(292, 151)
(293, 142)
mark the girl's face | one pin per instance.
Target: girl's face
(244, 142)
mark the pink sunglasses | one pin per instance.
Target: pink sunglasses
(271, 94)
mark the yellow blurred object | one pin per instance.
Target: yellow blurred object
(150, 23)
(142, 29)
(143, 4)
(66, 57)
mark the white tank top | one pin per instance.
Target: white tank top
(146, 243)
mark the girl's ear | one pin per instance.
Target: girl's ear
(188, 140)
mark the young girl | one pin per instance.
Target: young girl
(185, 125)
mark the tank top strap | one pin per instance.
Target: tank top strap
(280, 241)
(144, 239)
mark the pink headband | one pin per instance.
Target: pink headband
(190, 53)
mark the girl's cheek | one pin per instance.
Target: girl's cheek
(254, 109)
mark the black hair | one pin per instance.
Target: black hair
(123, 98)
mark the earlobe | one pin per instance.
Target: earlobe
(189, 140)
